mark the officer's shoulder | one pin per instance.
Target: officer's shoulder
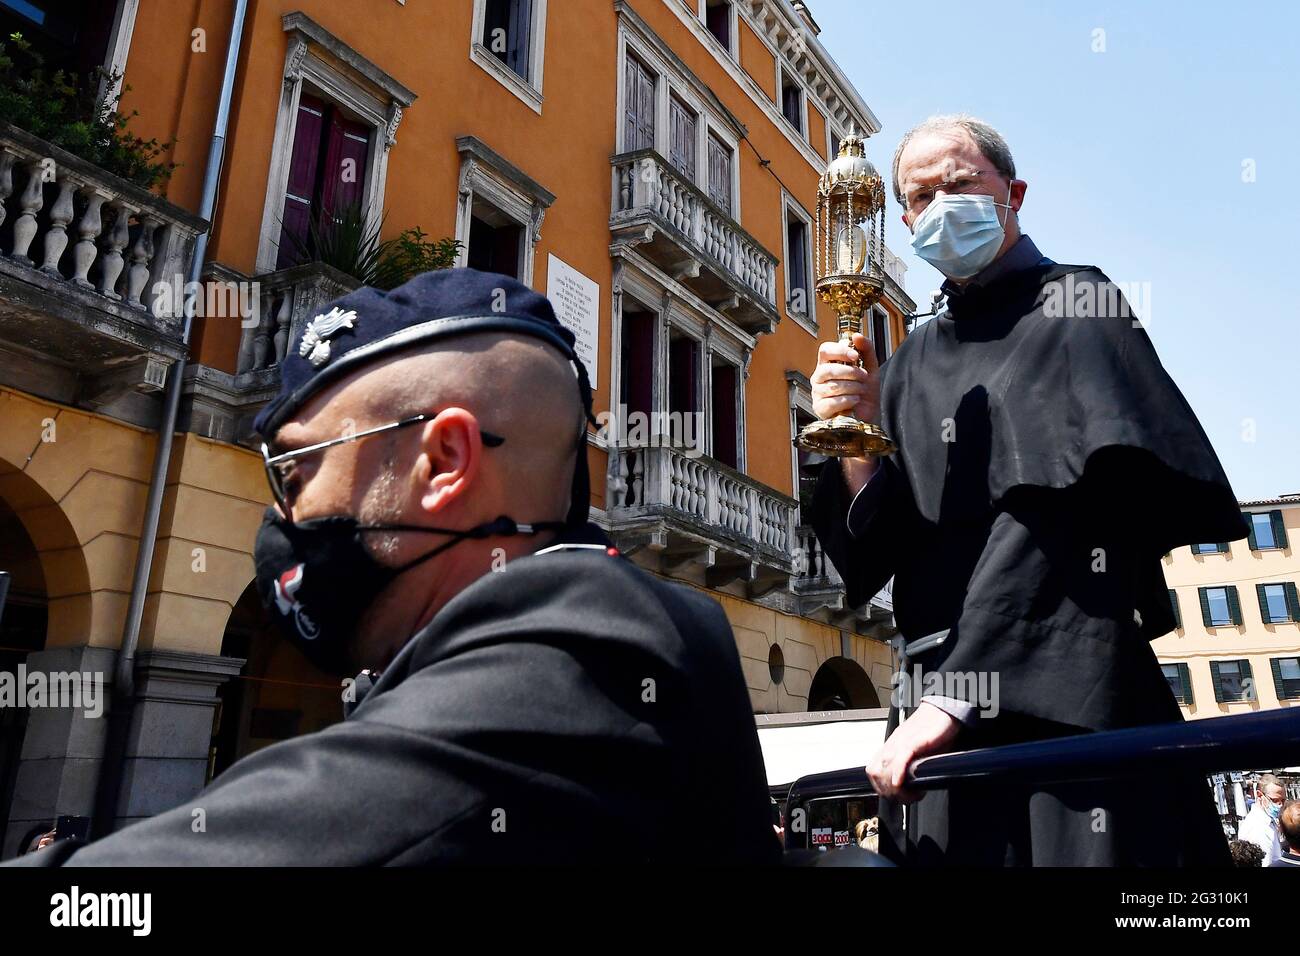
(590, 572)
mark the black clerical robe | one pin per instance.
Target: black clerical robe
(1046, 463)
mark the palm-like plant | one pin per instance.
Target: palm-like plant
(346, 239)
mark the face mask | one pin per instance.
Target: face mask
(1272, 809)
(317, 577)
(960, 235)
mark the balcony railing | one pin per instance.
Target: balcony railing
(82, 245)
(819, 589)
(221, 404)
(693, 238)
(689, 508)
(286, 299)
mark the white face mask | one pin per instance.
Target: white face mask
(960, 235)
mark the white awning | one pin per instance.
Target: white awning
(794, 748)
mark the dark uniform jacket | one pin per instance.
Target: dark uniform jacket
(567, 709)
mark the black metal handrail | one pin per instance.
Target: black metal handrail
(1269, 738)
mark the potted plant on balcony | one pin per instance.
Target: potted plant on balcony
(346, 239)
(71, 112)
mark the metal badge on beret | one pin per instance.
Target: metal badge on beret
(314, 346)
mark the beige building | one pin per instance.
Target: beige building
(1236, 648)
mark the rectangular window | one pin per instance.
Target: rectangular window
(1261, 527)
(636, 360)
(720, 173)
(723, 412)
(1232, 681)
(792, 101)
(1179, 681)
(836, 139)
(1219, 606)
(797, 252)
(880, 334)
(639, 106)
(496, 242)
(1278, 603)
(1267, 530)
(684, 381)
(507, 32)
(717, 17)
(681, 138)
(1286, 677)
(1210, 548)
(327, 172)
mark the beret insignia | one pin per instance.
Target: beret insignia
(315, 347)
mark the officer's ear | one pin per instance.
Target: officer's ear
(451, 448)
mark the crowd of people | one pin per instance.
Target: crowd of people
(1270, 832)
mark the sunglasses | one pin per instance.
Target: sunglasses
(280, 467)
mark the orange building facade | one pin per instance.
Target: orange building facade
(652, 165)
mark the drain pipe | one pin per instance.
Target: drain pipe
(111, 772)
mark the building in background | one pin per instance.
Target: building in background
(650, 164)
(1237, 644)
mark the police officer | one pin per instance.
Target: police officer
(539, 698)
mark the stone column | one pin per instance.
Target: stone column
(171, 730)
(63, 747)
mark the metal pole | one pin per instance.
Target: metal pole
(124, 670)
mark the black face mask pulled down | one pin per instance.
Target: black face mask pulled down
(317, 577)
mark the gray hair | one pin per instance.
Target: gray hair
(989, 141)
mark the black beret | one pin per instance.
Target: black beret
(369, 324)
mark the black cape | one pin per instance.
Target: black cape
(1046, 463)
(567, 709)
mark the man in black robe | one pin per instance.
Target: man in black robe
(1045, 463)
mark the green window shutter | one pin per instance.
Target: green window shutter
(1263, 603)
(1247, 675)
(1224, 547)
(1217, 681)
(1276, 664)
(1250, 523)
(1205, 606)
(1185, 676)
(1292, 601)
(1234, 604)
(1279, 529)
(1173, 601)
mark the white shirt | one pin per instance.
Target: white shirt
(1261, 829)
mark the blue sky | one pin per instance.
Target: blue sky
(1134, 158)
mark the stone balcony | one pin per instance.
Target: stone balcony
(818, 590)
(679, 512)
(221, 404)
(679, 228)
(92, 273)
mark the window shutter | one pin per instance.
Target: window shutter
(1217, 680)
(347, 152)
(1292, 602)
(1185, 677)
(300, 191)
(639, 104)
(1173, 601)
(1250, 523)
(1263, 603)
(1247, 675)
(1223, 547)
(681, 148)
(520, 39)
(1276, 664)
(1279, 528)
(1203, 593)
(1234, 604)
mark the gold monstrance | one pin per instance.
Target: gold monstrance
(849, 262)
